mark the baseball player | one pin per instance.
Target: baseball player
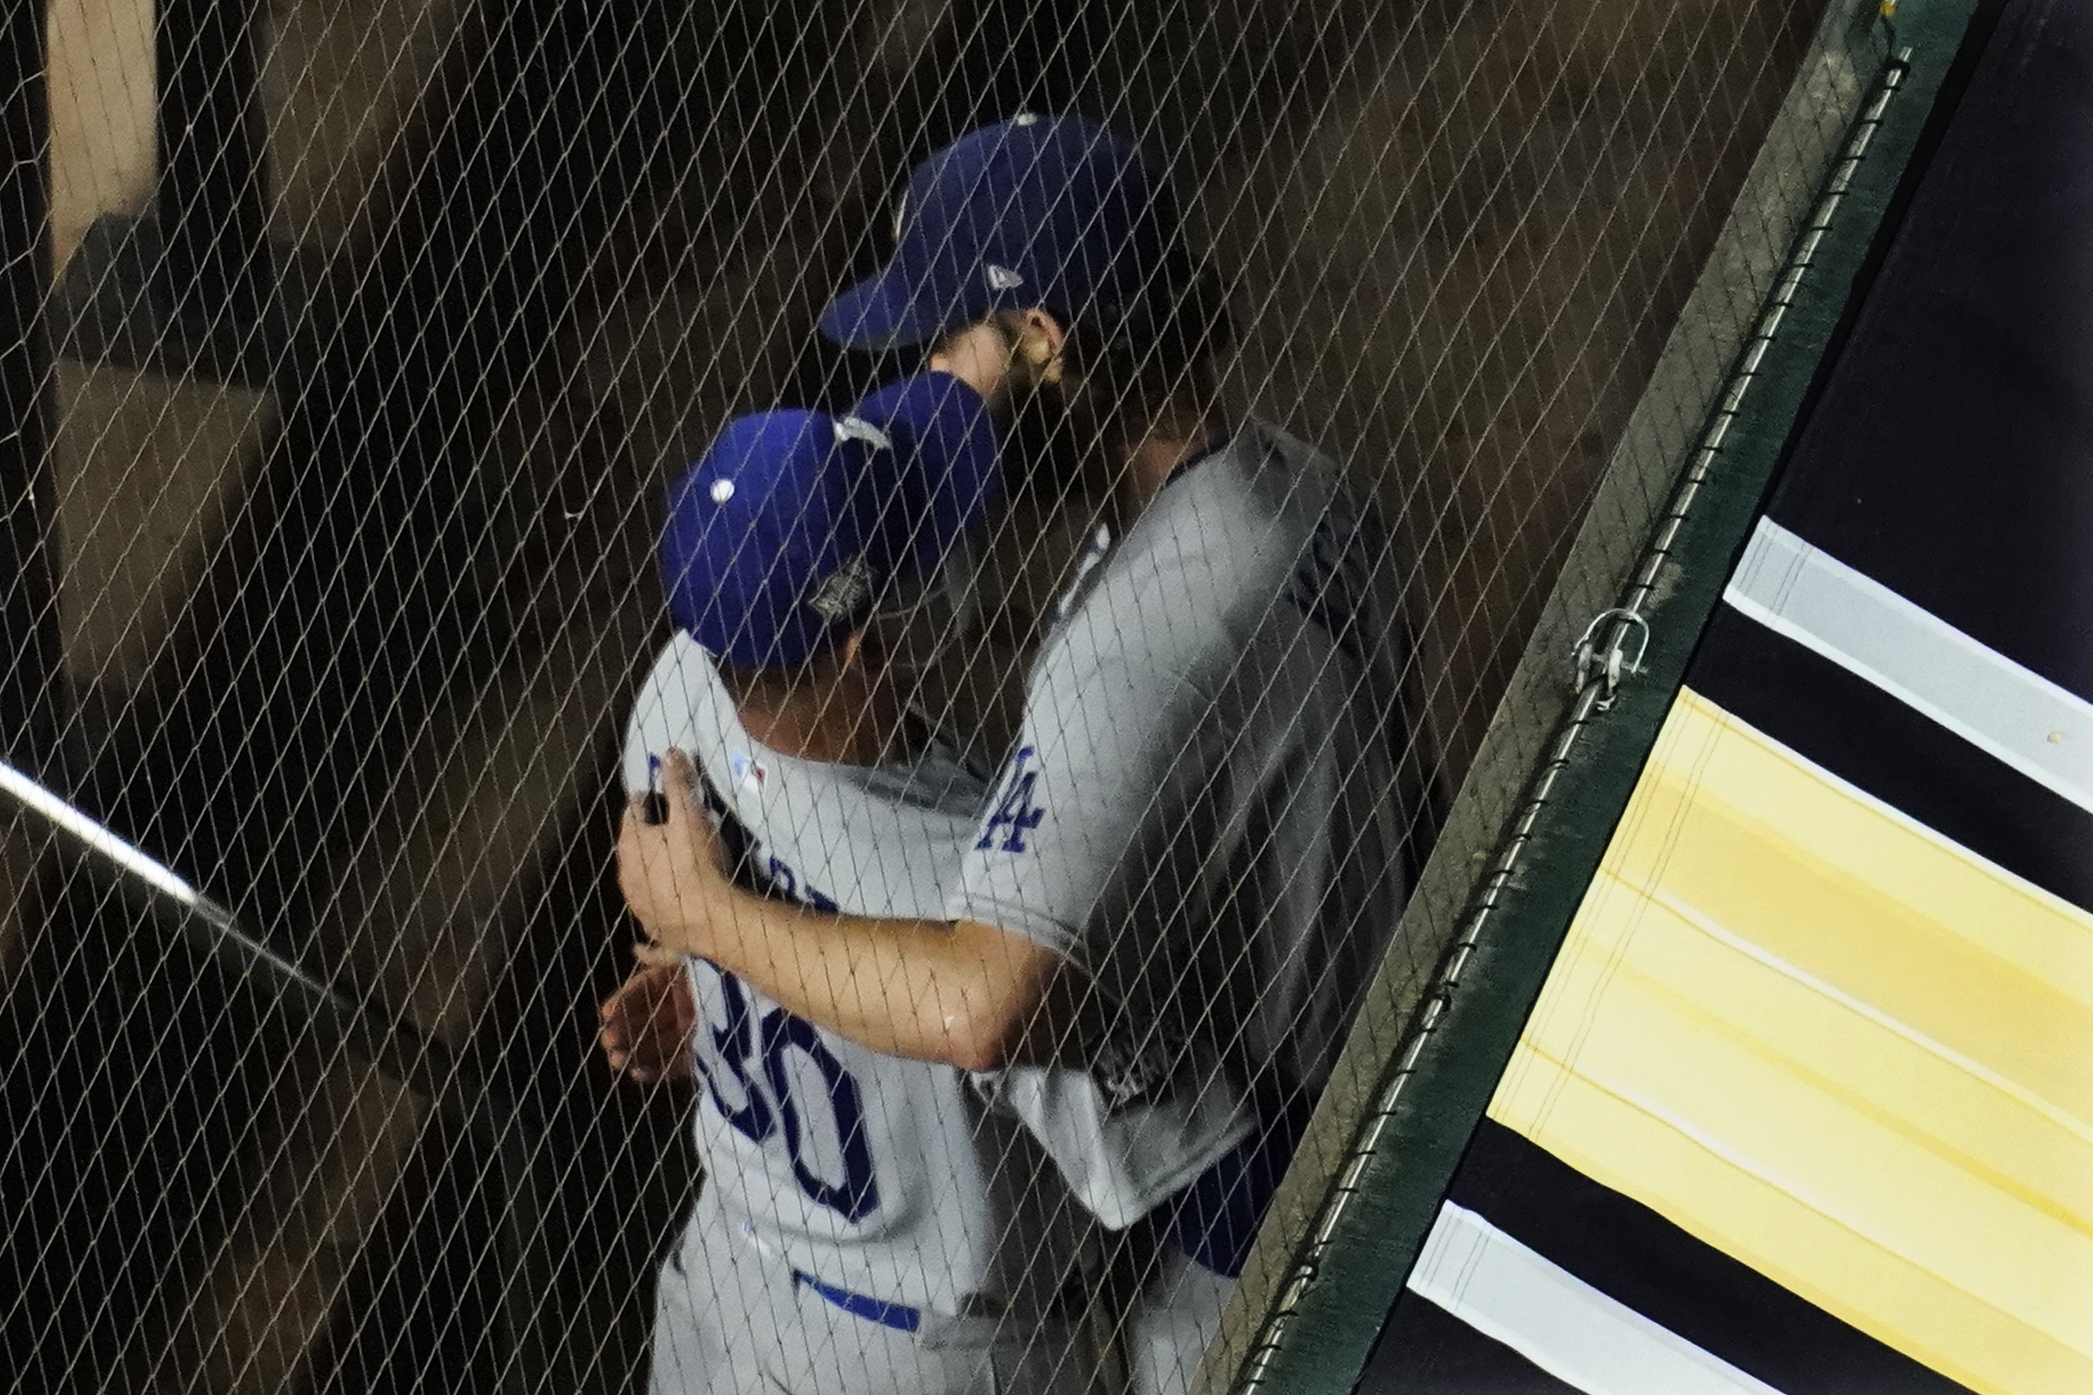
(868, 1223)
(1207, 829)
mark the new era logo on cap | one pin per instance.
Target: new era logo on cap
(1049, 211)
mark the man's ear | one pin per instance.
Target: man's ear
(1040, 341)
(848, 654)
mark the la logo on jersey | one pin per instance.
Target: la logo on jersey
(1015, 813)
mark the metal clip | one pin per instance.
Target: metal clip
(1613, 663)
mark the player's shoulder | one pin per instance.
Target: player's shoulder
(935, 778)
(1188, 586)
(1290, 481)
(682, 692)
(676, 670)
(1227, 529)
(1274, 444)
(680, 703)
(1260, 479)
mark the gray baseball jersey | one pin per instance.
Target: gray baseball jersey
(1207, 809)
(878, 1175)
(905, 1187)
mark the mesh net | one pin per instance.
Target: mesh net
(358, 346)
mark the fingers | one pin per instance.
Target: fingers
(685, 798)
(646, 1025)
(633, 1047)
(616, 1034)
(628, 850)
(616, 1037)
(632, 1017)
(654, 956)
(680, 784)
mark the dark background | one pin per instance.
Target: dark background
(332, 491)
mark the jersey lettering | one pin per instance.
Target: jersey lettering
(743, 1048)
(856, 1193)
(733, 1051)
(1016, 813)
(784, 882)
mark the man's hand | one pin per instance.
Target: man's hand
(648, 1024)
(670, 872)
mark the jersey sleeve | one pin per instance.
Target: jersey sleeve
(1120, 1160)
(680, 705)
(1102, 764)
(1120, 820)
(652, 728)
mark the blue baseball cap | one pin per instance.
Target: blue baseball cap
(1039, 210)
(783, 534)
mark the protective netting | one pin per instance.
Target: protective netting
(357, 346)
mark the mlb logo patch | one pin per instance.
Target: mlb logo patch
(747, 773)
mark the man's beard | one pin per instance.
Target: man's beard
(1054, 452)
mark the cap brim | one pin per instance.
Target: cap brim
(882, 313)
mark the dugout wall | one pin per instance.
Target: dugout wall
(352, 345)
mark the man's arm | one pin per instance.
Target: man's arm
(959, 992)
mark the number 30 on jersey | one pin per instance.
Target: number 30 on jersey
(748, 1072)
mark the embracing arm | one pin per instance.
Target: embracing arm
(959, 992)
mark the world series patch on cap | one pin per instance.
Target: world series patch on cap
(781, 537)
